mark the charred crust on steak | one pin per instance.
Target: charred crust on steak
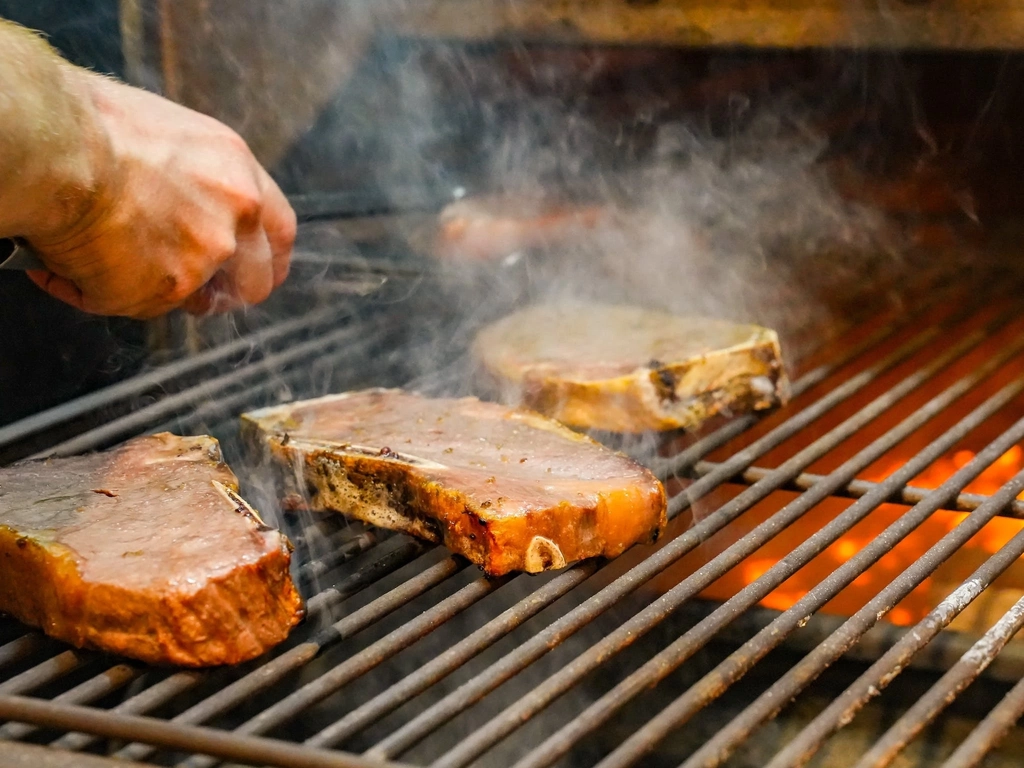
(664, 380)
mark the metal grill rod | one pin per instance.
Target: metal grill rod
(139, 384)
(880, 674)
(453, 658)
(109, 681)
(719, 747)
(661, 665)
(741, 661)
(473, 690)
(990, 731)
(150, 698)
(540, 697)
(20, 648)
(268, 674)
(855, 489)
(270, 671)
(138, 420)
(249, 749)
(948, 687)
(46, 671)
(319, 689)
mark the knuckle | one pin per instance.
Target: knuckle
(222, 246)
(248, 207)
(174, 288)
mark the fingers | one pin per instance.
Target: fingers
(59, 287)
(261, 259)
(279, 224)
(249, 273)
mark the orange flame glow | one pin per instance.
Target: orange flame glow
(919, 602)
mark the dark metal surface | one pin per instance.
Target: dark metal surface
(408, 655)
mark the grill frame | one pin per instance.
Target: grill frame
(385, 555)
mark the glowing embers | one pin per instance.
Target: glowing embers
(987, 483)
(978, 616)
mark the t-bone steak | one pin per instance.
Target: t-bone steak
(146, 551)
(625, 369)
(508, 489)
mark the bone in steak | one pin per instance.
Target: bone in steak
(625, 369)
(510, 490)
(145, 551)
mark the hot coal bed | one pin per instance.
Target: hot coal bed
(840, 580)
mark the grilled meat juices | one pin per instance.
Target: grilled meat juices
(509, 490)
(625, 369)
(145, 551)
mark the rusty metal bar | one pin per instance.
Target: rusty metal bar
(855, 489)
(401, 638)
(945, 691)
(116, 677)
(745, 457)
(185, 738)
(990, 731)
(140, 419)
(472, 691)
(339, 554)
(228, 406)
(33, 756)
(366, 575)
(146, 700)
(139, 384)
(266, 675)
(890, 664)
(20, 648)
(45, 672)
(719, 747)
(682, 649)
(451, 659)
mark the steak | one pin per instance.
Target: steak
(509, 490)
(145, 551)
(486, 229)
(624, 369)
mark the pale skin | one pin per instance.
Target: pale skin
(135, 204)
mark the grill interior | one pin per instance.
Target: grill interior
(698, 651)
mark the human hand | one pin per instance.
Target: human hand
(182, 214)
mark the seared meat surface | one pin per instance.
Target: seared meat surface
(510, 490)
(625, 369)
(146, 551)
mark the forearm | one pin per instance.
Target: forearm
(51, 145)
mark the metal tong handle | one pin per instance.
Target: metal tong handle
(17, 254)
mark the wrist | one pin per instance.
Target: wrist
(72, 183)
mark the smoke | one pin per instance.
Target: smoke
(724, 209)
(714, 201)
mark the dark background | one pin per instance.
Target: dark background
(50, 352)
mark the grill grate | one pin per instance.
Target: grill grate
(409, 657)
